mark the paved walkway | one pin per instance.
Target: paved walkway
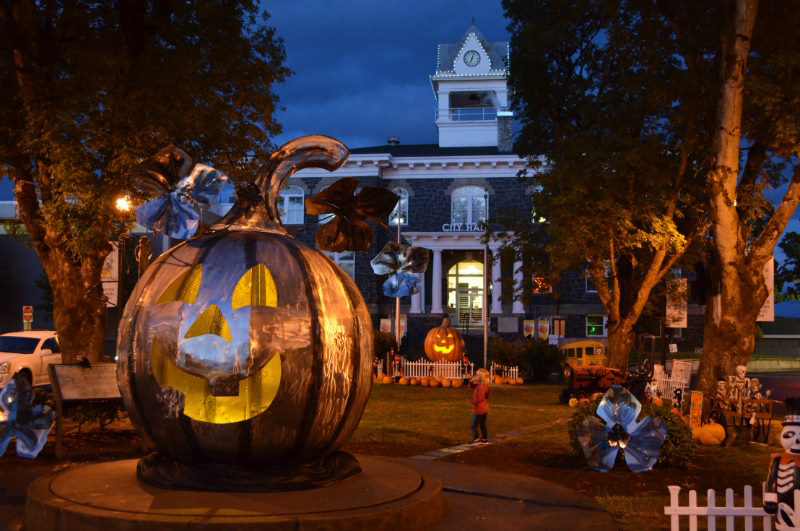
(444, 452)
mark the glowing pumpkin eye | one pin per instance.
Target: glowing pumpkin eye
(255, 288)
(184, 288)
(449, 335)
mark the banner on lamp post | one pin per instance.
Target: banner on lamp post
(767, 312)
(677, 303)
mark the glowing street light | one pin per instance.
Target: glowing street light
(123, 204)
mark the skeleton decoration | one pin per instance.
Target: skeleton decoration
(737, 388)
(244, 355)
(619, 431)
(784, 472)
(167, 175)
(347, 230)
(403, 264)
(19, 418)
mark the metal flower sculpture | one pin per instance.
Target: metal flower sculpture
(347, 231)
(167, 175)
(30, 425)
(401, 262)
(639, 442)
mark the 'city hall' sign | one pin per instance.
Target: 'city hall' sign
(462, 227)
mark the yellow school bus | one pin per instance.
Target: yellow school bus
(584, 353)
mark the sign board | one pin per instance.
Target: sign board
(111, 292)
(528, 327)
(386, 326)
(559, 327)
(552, 340)
(110, 269)
(767, 312)
(27, 314)
(507, 325)
(543, 329)
(677, 303)
(75, 382)
(681, 370)
(673, 348)
(696, 410)
(461, 227)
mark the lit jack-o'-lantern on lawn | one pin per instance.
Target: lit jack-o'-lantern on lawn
(244, 347)
(444, 343)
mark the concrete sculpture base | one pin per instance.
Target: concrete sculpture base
(107, 496)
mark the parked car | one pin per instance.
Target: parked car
(29, 353)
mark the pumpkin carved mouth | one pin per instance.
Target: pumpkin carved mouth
(255, 394)
(443, 350)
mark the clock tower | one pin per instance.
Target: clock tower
(470, 85)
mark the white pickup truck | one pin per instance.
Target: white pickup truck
(28, 353)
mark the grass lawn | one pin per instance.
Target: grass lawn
(402, 421)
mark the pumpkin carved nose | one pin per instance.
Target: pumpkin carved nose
(212, 322)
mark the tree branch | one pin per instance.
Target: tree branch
(765, 244)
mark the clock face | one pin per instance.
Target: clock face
(472, 58)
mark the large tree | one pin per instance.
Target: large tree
(87, 89)
(756, 145)
(615, 121)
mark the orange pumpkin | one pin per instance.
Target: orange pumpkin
(434, 382)
(499, 380)
(424, 381)
(444, 343)
(520, 381)
(414, 381)
(456, 383)
(403, 381)
(446, 382)
(387, 379)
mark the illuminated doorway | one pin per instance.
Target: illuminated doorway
(465, 293)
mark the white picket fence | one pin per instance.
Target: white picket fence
(445, 369)
(730, 512)
(379, 368)
(667, 385)
(496, 369)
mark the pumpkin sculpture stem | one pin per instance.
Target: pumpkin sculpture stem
(312, 151)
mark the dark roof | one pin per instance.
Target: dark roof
(781, 326)
(427, 150)
(497, 51)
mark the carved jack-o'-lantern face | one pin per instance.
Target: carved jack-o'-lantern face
(444, 343)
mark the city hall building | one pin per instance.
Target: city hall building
(446, 190)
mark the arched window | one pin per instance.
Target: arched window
(400, 208)
(292, 205)
(469, 205)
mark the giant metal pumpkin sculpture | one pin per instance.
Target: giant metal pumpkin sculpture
(243, 350)
(444, 343)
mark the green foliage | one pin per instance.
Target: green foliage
(535, 358)
(787, 274)
(678, 449)
(383, 343)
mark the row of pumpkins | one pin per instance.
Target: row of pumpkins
(439, 381)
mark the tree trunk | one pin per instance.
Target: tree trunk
(730, 328)
(728, 338)
(621, 339)
(79, 309)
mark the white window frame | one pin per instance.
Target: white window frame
(471, 191)
(342, 259)
(605, 326)
(286, 193)
(402, 204)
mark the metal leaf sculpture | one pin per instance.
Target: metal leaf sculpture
(30, 425)
(401, 263)
(347, 231)
(618, 431)
(167, 175)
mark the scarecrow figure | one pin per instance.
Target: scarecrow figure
(784, 472)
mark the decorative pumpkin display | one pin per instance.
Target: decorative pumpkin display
(711, 434)
(499, 380)
(446, 382)
(456, 383)
(444, 343)
(414, 381)
(245, 346)
(403, 381)
(434, 382)
(424, 381)
(573, 402)
(520, 381)
(387, 379)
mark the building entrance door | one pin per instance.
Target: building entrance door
(465, 293)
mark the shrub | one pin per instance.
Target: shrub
(383, 343)
(678, 448)
(536, 358)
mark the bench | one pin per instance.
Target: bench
(78, 383)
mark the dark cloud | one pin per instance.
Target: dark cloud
(361, 67)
